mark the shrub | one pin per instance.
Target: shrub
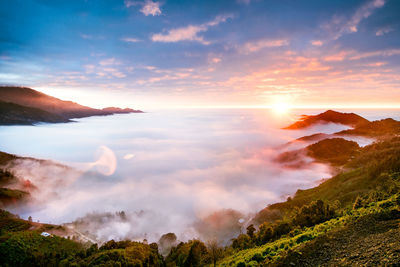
(304, 238)
(257, 257)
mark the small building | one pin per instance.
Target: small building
(45, 234)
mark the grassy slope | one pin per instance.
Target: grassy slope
(298, 247)
(369, 240)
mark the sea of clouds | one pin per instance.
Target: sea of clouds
(191, 172)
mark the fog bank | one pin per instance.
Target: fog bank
(189, 172)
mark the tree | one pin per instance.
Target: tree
(281, 228)
(250, 230)
(166, 242)
(122, 215)
(30, 218)
(357, 203)
(265, 234)
(242, 242)
(215, 251)
(314, 213)
(197, 255)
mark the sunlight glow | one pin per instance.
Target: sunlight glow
(281, 108)
(281, 104)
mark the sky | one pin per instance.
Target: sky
(199, 53)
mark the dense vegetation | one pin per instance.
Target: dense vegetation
(336, 151)
(384, 127)
(20, 246)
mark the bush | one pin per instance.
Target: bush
(315, 213)
(257, 257)
(304, 238)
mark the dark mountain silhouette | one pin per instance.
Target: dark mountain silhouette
(66, 110)
(313, 137)
(336, 151)
(375, 128)
(115, 110)
(349, 119)
(11, 114)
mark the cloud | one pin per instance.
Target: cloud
(317, 42)
(381, 53)
(91, 37)
(151, 8)
(340, 56)
(383, 31)
(251, 47)
(86, 36)
(107, 68)
(130, 40)
(105, 163)
(109, 61)
(215, 60)
(148, 7)
(340, 25)
(176, 177)
(375, 64)
(189, 33)
(129, 156)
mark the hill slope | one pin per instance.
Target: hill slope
(21, 244)
(385, 127)
(14, 114)
(67, 109)
(368, 241)
(349, 119)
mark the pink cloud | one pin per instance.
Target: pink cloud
(251, 47)
(189, 33)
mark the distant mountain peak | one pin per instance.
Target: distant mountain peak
(329, 116)
(121, 110)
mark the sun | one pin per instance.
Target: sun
(281, 107)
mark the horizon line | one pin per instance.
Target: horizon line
(290, 108)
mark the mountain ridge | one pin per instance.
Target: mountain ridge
(48, 108)
(329, 116)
